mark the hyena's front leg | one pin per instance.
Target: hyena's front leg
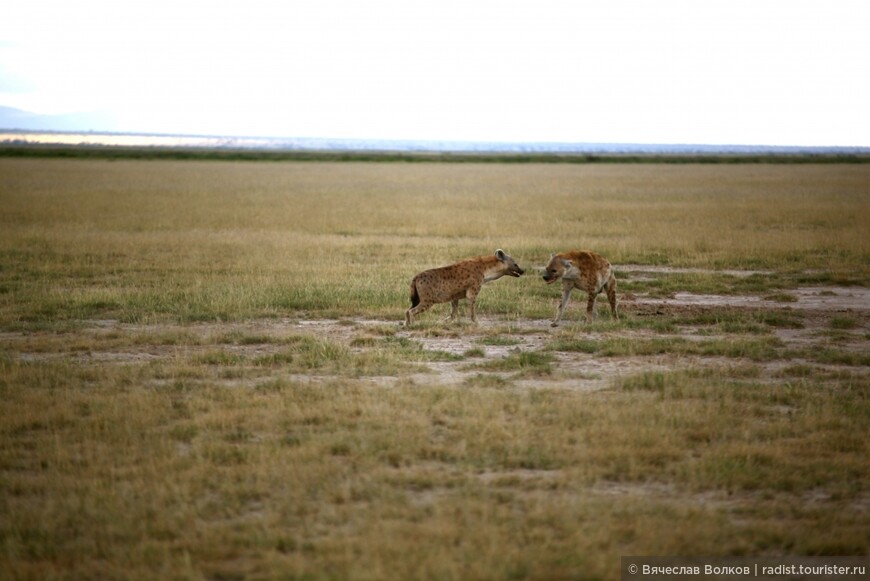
(566, 298)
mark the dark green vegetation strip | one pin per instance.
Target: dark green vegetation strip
(195, 153)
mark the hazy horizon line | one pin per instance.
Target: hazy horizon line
(288, 142)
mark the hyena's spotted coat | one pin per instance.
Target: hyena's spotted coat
(458, 281)
(585, 270)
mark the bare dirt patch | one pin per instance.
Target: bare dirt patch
(832, 299)
(633, 269)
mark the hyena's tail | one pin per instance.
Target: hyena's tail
(415, 298)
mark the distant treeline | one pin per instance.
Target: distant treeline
(223, 154)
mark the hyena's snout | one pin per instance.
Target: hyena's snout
(554, 269)
(550, 276)
(508, 265)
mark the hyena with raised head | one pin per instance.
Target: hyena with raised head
(585, 270)
(458, 281)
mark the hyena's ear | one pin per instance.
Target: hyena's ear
(500, 254)
(567, 263)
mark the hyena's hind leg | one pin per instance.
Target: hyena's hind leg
(415, 310)
(418, 304)
(590, 303)
(611, 296)
(455, 310)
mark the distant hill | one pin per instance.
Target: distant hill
(16, 119)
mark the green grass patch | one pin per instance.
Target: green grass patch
(756, 349)
(844, 323)
(500, 341)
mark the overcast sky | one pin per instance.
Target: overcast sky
(769, 72)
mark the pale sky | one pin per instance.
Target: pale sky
(786, 72)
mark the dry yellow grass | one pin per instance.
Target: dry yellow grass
(222, 240)
(111, 472)
(160, 420)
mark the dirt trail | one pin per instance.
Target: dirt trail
(821, 298)
(471, 350)
(814, 307)
(632, 269)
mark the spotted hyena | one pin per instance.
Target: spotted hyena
(585, 270)
(458, 281)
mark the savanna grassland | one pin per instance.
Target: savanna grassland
(203, 373)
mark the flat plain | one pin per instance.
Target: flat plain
(204, 375)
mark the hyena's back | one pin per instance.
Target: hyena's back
(447, 283)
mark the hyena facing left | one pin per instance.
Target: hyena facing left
(585, 270)
(458, 281)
